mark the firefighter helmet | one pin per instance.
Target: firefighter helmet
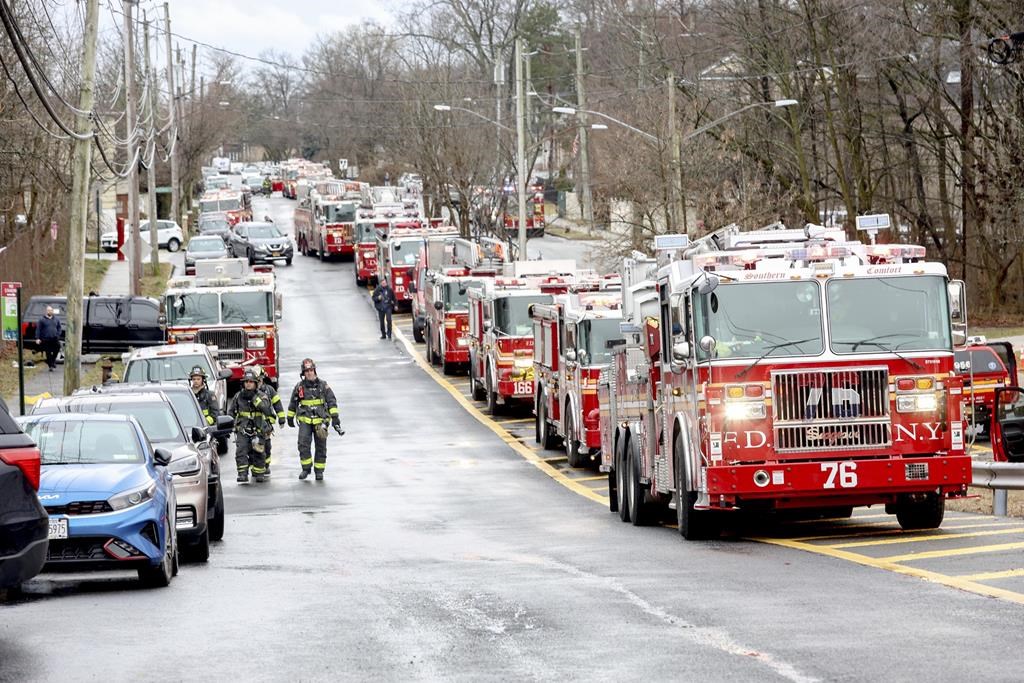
(258, 371)
(197, 371)
(307, 364)
(249, 376)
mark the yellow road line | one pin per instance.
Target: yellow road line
(889, 532)
(990, 576)
(953, 552)
(556, 458)
(930, 537)
(516, 420)
(603, 477)
(511, 441)
(884, 564)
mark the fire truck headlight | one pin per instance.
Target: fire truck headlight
(256, 341)
(462, 341)
(917, 403)
(748, 410)
(522, 363)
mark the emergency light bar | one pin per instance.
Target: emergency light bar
(671, 242)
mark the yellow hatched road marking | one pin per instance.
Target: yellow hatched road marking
(889, 532)
(953, 552)
(931, 537)
(964, 584)
(990, 576)
(517, 420)
(603, 477)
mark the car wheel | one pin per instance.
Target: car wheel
(288, 261)
(217, 523)
(199, 551)
(173, 244)
(160, 576)
(252, 258)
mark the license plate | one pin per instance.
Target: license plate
(58, 528)
(523, 388)
(275, 253)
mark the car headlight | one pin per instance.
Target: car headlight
(747, 410)
(917, 403)
(185, 466)
(133, 497)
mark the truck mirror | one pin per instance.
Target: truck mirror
(224, 373)
(707, 343)
(959, 338)
(958, 304)
(681, 352)
(570, 355)
(439, 305)
(487, 326)
(708, 284)
(161, 319)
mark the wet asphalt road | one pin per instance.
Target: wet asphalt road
(433, 551)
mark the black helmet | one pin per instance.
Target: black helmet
(249, 376)
(197, 370)
(307, 364)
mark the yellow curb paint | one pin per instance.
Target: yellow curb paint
(953, 552)
(992, 576)
(891, 532)
(32, 400)
(931, 537)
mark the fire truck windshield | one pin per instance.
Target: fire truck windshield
(750, 318)
(366, 232)
(456, 296)
(405, 253)
(193, 309)
(339, 213)
(208, 205)
(894, 314)
(246, 307)
(211, 308)
(594, 336)
(512, 314)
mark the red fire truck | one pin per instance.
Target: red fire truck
(983, 367)
(367, 227)
(535, 218)
(785, 369)
(325, 226)
(228, 305)
(501, 332)
(229, 202)
(571, 347)
(398, 250)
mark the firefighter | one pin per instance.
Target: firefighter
(204, 396)
(269, 392)
(384, 301)
(313, 404)
(253, 417)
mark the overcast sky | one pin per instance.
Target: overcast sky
(251, 26)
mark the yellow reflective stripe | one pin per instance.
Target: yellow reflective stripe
(291, 413)
(311, 420)
(333, 411)
(311, 402)
(209, 419)
(277, 398)
(280, 413)
(243, 413)
(319, 465)
(306, 461)
(258, 470)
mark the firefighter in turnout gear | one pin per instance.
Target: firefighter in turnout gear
(313, 404)
(269, 392)
(204, 396)
(253, 419)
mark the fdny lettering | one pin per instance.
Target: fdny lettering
(911, 432)
(751, 439)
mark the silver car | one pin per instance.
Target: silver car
(201, 248)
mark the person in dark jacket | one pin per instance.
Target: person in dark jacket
(253, 419)
(313, 404)
(384, 302)
(269, 392)
(48, 331)
(205, 398)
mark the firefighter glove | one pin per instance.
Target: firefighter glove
(336, 421)
(280, 422)
(337, 428)
(291, 421)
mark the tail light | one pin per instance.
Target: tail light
(181, 338)
(26, 460)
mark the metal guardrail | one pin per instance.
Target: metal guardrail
(1000, 477)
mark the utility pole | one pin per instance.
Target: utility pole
(81, 171)
(135, 258)
(499, 82)
(586, 197)
(175, 178)
(154, 237)
(522, 179)
(674, 191)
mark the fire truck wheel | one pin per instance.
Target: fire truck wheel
(921, 514)
(639, 511)
(430, 348)
(492, 398)
(446, 367)
(322, 253)
(548, 438)
(572, 446)
(621, 480)
(538, 395)
(474, 386)
(252, 259)
(417, 332)
(694, 525)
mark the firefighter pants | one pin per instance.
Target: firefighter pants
(307, 435)
(246, 458)
(385, 323)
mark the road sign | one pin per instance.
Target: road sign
(53, 230)
(9, 311)
(342, 164)
(126, 248)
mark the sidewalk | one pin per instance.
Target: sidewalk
(116, 280)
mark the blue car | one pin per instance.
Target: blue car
(109, 495)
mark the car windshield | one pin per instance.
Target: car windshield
(977, 361)
(193, 309)
(206, 245)
(165, 368)
(594, 336)
(186, 408)
(456, 294)
(246, 307)
(156, 417)
(264, 231)
(218, 223)
(340, 213)
(85, 442)
(512, 314)
(755, 319)
(872, 315)
(405, 252)
(228, 205)
(208, 205)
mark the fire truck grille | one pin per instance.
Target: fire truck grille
(917, 471)
(231, 343)
(831, 409)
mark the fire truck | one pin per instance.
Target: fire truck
(367, 228)
(229, 202)
(398, 250)
(571, 347)
(324, 225)
(231, 306)
(501, 332)
(785, 369)
(983, 367)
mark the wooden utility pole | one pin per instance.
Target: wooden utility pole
(154, 237)
(522, 178)
(135, 257)
(674, 191)
(586, 198)
(81, 171)
(173, 150)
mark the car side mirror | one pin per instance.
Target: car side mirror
(223, 426)
(439, 305)
(224, 373)
(198, 435)
(162, 456)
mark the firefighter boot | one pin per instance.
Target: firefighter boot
(319, 475)
(303, 474)
(243, 476)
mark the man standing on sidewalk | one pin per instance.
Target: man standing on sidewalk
(48, 331)
(384, 302)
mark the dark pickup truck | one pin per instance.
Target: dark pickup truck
(112, 324)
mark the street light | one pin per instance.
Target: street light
(448, 107)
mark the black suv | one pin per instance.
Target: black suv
(112, 324)
(24, 524)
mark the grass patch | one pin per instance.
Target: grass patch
(95, 271)
(983, 503)
(155, 285)
(997, 332)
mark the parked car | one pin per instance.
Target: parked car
(260, 243)
(253, 182)
(214, 223)
(201, 248)
(159, 421)
(109, 495)
(112, 324)
(168, 234)
(173, 362)
(23, 521)
(190, 414)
